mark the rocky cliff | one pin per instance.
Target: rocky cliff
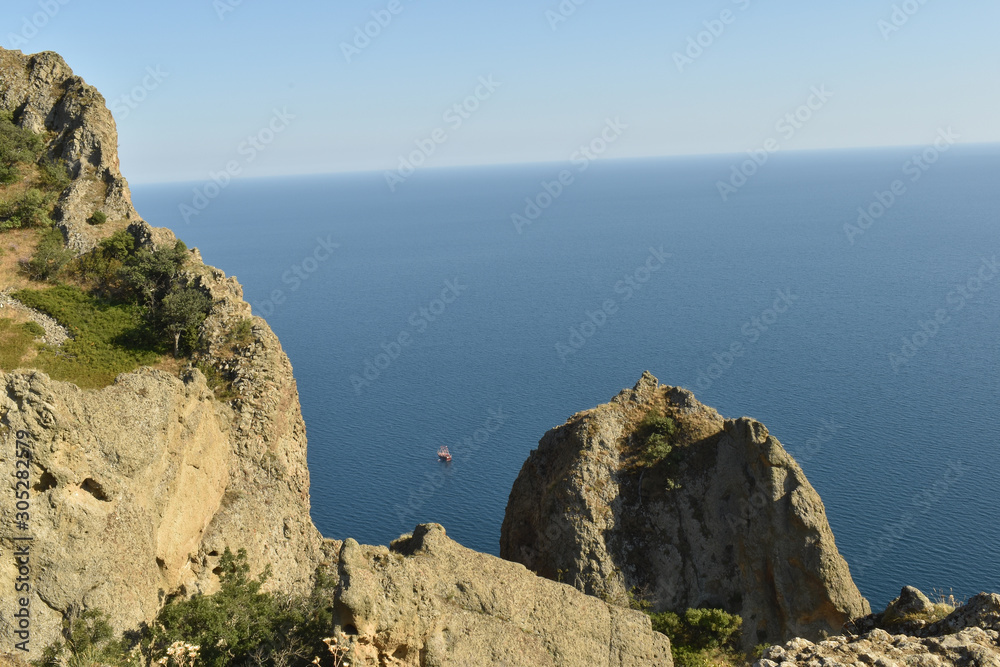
(137, 488)
(46, 97)
(726, 520)
(426, 601)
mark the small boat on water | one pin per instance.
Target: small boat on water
(444, 454)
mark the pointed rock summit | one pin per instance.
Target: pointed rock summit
(656, 496)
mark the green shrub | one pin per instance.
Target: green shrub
(108, 337)
(98, 218)
(17, 145)
(700, 635)
(103, 263)
(53, 175)
(242, 332)
(656, 434)
(50, 256)
(240, 621)
(34, 328)
(31, 209)
(181, 312)
(146, 275)
(89, 641)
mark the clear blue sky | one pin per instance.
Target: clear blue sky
(608, 59)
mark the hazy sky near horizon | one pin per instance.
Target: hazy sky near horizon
(561, 69)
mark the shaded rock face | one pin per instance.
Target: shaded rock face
(967, 637)
(727, 521)
(46, 97)
(428, 601)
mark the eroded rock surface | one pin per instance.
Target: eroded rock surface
(728, 520)
(428, 601)
(46, 97)
(967, 637)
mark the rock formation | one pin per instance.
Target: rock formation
(970, 635)
(138, 487)
(135, 490)
(426, 600)
(46, 97)
(727, 520)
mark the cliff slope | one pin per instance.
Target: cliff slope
(726, 520)
(137, 488)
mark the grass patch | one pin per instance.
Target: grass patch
(108, 338)
(16, 340)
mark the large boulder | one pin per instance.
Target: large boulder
(727, 520)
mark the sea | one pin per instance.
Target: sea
(849, 300)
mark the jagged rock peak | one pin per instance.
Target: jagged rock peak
(46, 97)
(723, 517)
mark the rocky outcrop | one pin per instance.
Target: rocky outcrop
(727, 520)
(968, 636)
(428, 601)
(137, 488)
(46, 97)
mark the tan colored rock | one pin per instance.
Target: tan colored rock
(428, 601)
(967, 637)
(143, 484)
(48, 98)
(728, 521)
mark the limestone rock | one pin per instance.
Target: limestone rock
(728, 520)
(968, 637)
(139, 487)
(428, 601)
(47, 97)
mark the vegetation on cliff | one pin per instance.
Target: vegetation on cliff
(239, 625)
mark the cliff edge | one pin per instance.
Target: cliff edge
(133, 491)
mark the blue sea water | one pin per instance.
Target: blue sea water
(904, 453)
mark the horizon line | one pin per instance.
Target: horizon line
(536, 163)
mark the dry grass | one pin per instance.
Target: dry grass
(17, 347)
(15, 245)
